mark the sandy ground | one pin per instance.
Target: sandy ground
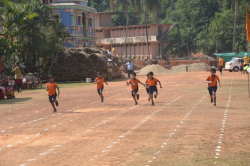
(183, 128)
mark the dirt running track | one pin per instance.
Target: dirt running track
(183, 128)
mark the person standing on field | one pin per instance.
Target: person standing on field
(110, 69)
(130, 67)
(18, 77)
(246, 60)
(221, 63)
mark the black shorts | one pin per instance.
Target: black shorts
(212, 90)
(99, 91)
(241, 68)
(153, 89)
(134, 91)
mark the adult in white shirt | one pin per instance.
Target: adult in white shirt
(130, 67)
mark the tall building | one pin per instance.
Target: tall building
(78, 17)
(160, 41)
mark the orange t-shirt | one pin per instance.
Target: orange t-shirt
(134, 84)
(99, 82)
(152, 82)
(213, 79)
(52, 88)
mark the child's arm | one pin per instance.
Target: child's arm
(47, 88)
(219, 82)
(142, 83)
(128, 83)
(209, 82)
(58, 91)
(160, 84)
(105, 82)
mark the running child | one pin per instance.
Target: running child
(51, 86)
(151, 82)
(212, 85)
(134, 85)
(99, 81)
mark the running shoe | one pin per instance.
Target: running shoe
(102, 100)
(54, 110)
(152, 104)
(136, 103)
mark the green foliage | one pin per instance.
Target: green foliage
(205, 25)
(31, 33)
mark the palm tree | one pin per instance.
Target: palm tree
(235, 7)
(114, 4)
(151, 7)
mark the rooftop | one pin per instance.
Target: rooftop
(70, 4)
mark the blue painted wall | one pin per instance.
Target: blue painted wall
(66, 20)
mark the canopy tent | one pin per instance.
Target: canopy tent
(228, 56)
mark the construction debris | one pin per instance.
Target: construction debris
(77, 64)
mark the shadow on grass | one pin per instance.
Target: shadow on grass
(13, 101)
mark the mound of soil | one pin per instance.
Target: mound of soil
(156, 69)
(77, 64)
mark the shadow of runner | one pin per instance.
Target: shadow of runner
(16, 100)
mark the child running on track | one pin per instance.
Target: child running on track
(99, 81)
(134, 85)
(212, 85)
(51, 87)
(151, 82)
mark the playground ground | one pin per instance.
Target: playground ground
(183, 128)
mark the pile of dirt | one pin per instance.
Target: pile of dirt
(192, 67)
(77, 64)
(156, 69)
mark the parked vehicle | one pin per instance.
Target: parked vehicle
(234, 64)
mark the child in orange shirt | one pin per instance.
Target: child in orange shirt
(212, 85)
(151, 82)
(51, 87)
(99, 81)
(134, 85)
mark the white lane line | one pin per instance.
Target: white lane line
(218, 148)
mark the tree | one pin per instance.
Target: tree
(152, 7)
(114, 5)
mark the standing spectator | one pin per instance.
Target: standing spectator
(18, 77)
(130, 67)
(221, 63)
(246, 60)
(110, 69)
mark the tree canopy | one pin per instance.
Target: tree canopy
(205, 25)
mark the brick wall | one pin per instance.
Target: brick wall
(139, 63)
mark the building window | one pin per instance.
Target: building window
(117, 29)
(139, 27)
(100, 30)
(135, 28)
(121, 28)
(148, 27)
(144, 44)
(112, 29)
(143, 27)
(130, 28)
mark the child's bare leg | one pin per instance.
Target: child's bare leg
(152, 98)
(149, 97)
(155, 95)
(214, 94)
(134, 97)
(53, 104)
